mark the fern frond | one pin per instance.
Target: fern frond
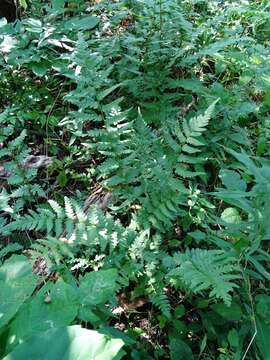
(56, 207)
(69, 208)
(161, 301)
(212, 270)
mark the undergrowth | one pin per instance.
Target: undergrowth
(134, 174)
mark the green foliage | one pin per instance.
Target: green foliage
(68, 341)
(153, 164)
(163, 106)
(207, 269)
(17, 284)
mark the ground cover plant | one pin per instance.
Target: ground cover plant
(134, 180)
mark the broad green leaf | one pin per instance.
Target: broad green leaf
(249, 164)
(231, 216)
(193, 85)
(230, 313)
(40, 68)
(62, 178)
(97, 287)
(179, 350)
(17, 283)
(86, 314)
(263, 306)
(54, 306)
(232, 180)
(7, 43)
(262, 339)
(86, 23)
(233, 338)
(72, 342)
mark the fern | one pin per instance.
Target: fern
(193, 129)
(52, 250)
(28, 191)
(149, 168)
(70, 225)
(161, 301)
(212, 270)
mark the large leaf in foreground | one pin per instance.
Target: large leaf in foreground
(17, 283)
(54, 306)
(72, 343)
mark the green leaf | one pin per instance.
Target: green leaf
(23, 3)
(179, 311)
(54, 306)
(267, 97)
(58, 5)
(86, 23)
(62, 179)
(97, 287)
(40, 68)
(203, 344)
(263, 306)
(203, 269)
(197, 235)
(10, 248)
(86, 314)
(33, 25)
(230, 313)
(17, 283)
(231, 216)
(193, 85)
(233, 338)
(232, 180)
(72, 342)
(262, 339)
(106, 92)
(179, 350)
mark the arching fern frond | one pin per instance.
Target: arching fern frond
(212, 270)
